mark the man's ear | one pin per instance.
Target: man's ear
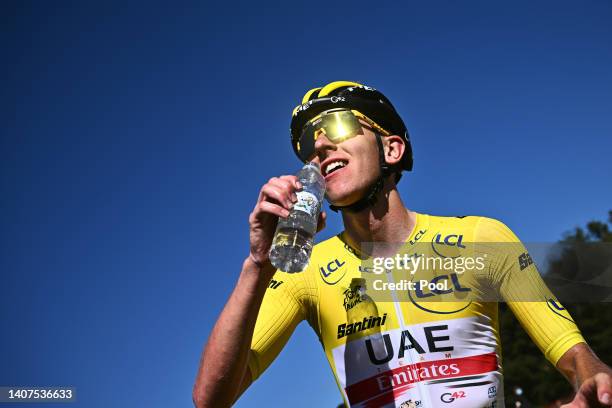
(394, 149)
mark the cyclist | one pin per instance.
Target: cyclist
(383, 353)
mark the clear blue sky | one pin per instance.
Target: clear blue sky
(135, 138)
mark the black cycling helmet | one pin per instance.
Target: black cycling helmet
(369, 102)
(351, 95)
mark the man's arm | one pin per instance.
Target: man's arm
(590, 377)
(224, 360)
(543, 317)
(223, 372)
(255, 323)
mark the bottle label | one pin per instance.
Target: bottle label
(306, 202)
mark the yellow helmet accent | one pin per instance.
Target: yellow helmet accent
(308, 94)
(332, 86)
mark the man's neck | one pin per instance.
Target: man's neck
(388, 220)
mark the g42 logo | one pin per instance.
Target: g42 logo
(448, 397)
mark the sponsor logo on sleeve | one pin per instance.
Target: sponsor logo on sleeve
(525, 260)
(558, 309)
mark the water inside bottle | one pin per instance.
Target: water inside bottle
(291, 249)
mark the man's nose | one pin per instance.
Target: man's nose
(322, 144)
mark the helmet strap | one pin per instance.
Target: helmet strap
(370, 198)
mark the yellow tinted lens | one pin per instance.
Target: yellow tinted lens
(340, 126)
(336, 126)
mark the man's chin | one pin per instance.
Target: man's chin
(342, 201)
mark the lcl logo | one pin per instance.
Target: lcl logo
(332, 272)
(450, 240)
(331, 267)
(447, 246)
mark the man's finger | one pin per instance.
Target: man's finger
(603, 383)
(271, 208)
(578, 402)
(322, 221)
(276, 194)
(287, 185)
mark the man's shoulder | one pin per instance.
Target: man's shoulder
(329, 246)
(465, 222)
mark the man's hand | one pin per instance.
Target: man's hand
(594, 392)
(276, 199)
(590, 376)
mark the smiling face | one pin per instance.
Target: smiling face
(349, 167)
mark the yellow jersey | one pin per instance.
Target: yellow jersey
(404, 346)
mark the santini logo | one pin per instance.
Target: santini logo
(367, 323)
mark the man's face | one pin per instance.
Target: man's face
(349, 167)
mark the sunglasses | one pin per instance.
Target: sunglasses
(337, 126)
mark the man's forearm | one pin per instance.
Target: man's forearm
(580, 363)
(224, 360)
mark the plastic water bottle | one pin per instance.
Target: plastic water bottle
(294, 236)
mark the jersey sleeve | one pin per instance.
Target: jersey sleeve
(284, 306)
(515, 278)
